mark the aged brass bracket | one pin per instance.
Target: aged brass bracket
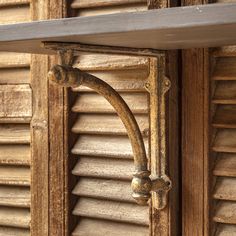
(144, 184)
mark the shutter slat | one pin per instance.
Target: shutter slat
(16, 101)
(103, 62)
(225, 212)
(226, 165)
(102, 3)
(14, 60)
(106, 124)
(225, 68)
(115, 211)
(225, 141)
(94, 103)
(14, 75)
(14, 14)
(14, 175)
(15, 134)
(7, 231)
(90, 227)
(226, 230)
(225, 189)
(226, 51)
(104, 189)
(122, 81)
(225, 117)
(14, 196)
(225, 93)
(14, 217)
(6, 3)
(104, 168)
(98, 145)
(15, 154)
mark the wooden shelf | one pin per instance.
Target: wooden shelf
(172, 28)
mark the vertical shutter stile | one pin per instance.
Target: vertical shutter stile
(223, 101)
(15, 116)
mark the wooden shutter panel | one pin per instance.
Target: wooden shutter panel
(15, 116)
(223, 101)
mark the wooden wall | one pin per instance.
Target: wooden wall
(15, 117)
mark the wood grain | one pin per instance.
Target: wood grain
(87, 226)
(116, 211)
(165, 28)
(7, 3)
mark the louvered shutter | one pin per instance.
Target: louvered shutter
(15, 116)
(104, 159)
(223, 101)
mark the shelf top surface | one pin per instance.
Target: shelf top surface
(209, 25)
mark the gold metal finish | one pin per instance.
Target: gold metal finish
(142, 185)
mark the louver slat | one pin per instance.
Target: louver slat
(225, 189)
(110, 210)
(94, 103)
(226, 212)
(14, 217)
(94, 124)
(105, 189)
(14, 196)
(8, 3)
(7, 231)
(226, 230)
(102, 3)
(15, 155)
(88, 227)
(14, 60)
(104, 168)
(225, 141)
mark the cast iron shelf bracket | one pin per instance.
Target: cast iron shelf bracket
(145, 183)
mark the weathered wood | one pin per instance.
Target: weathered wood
(101, 62)
(201, 26)
(104, 168)
(16, 101)
(8, 231)
(226, 230)
(106, 124)
(225, 165)
(98, 145)
(14, 196)
(225, 141)
(104, 189)
(12, 218)
(121, 80)
(94, 103)
(14, 14)
(225, 93)
(39, 134)
(14, 60)
(225, 68)
(226, 51)
(15, 155)
(225, 117)
(85, 12)
(8, 76)
(225, 212)
(14, 175)
(225, 189)
(195, 142)
(116, 211)
(14, 134)
(102, 3)
(7, 3)
(90, 227)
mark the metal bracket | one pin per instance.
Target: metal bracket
(144, 184)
